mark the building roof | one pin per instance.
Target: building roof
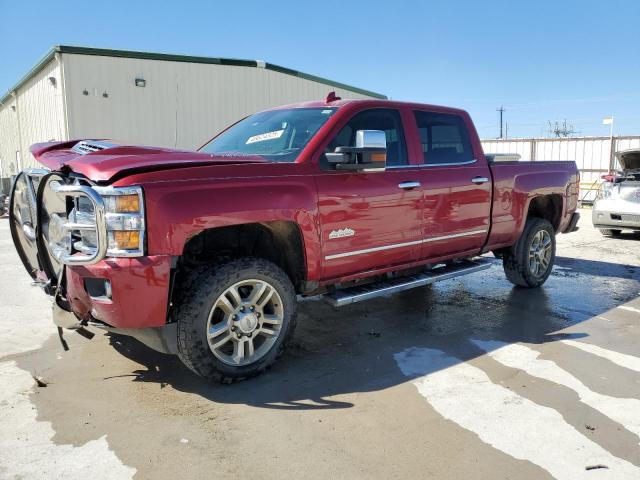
(178, 58)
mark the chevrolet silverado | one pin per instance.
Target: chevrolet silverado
(204, 253)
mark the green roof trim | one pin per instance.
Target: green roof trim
(167, 57)
(307, 76)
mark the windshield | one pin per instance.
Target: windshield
(275, 135)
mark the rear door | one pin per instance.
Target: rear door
(369, 220)
(456, 182)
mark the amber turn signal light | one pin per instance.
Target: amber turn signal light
(126, 240)
(127, 203)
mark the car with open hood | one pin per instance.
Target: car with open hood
(617, 205)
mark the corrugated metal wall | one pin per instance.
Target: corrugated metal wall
(34, 114)
(182, 104)
(591, 154)
(9, 140)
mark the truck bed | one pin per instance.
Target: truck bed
(514, 182)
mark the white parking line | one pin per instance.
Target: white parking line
(27, 446)
(621, 359)
(625, 411)
(505, 420)
(26, 443)
(628, 309)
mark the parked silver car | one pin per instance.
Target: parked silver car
(617, 205)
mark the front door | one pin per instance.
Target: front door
(370, 220)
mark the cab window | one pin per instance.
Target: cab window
(444, 138)
(387, 120)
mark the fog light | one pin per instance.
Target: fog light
(124, 240)
(98, 288)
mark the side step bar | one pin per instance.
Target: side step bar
(359, 293)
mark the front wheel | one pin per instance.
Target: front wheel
(530, 261)
(235, 319)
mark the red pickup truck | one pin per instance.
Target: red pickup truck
(203, 254)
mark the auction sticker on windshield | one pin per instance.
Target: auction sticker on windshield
(264, 136)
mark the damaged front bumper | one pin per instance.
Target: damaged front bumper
(162, 339)
(126, 294)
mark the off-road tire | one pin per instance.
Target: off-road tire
(610, 232)
(515, 261)
(194, 302)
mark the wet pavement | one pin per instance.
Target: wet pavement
(468, 378)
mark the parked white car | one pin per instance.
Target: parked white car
(617, 206)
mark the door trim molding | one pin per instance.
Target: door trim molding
(374, 249)
(455, 235)
(405, 244)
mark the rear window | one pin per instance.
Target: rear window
(444, 138)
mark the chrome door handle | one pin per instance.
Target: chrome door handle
(479, 180)
(408, 185)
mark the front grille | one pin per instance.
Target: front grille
(84, 240)
(631, 218)
(81, 238)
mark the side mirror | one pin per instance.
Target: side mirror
(369, 153)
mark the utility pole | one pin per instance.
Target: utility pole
(612, 150)
(501, 110)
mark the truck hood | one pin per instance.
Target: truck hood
(629, 159)
(102, 160)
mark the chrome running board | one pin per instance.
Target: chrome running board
(359, 293)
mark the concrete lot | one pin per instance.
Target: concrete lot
(469, 378)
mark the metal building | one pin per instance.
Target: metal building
(593, 155)
(143, 98)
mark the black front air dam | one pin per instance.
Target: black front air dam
(162, 339)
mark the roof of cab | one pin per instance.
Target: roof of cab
(371, 102)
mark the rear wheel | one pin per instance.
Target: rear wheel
(610, 232)
(235, 319)
(530, 261)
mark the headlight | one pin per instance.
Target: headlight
(604, 191)
(124, 221)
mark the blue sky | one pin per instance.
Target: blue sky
(542, 60)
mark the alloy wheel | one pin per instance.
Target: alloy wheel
(245, 322)
(540, 252)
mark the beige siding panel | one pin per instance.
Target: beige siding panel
(9, 142)
(38, 117)
(182, 105)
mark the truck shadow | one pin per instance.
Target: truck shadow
(336, 352)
